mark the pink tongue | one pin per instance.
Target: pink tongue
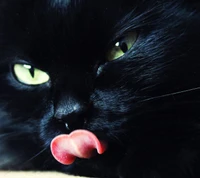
(79, 143)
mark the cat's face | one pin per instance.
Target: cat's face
(95, 65)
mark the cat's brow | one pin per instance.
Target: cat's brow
(60, 3)
(171, 94)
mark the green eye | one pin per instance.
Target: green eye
(122, 46)
(30, 75)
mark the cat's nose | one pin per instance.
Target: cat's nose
(71, 115)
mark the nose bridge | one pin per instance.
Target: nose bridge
(71, 99)
(68, 105)
(75, 81)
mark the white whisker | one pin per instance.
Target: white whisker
(6, 135)
(36, 155)
(171, 94)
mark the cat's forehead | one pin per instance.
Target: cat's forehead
(56, 31)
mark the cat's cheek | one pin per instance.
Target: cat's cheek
(49, 127)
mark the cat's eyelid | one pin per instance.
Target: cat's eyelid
(120, 35)
(27, 64)
(22, 60)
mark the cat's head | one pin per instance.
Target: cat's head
(105, 66)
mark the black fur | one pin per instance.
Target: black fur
(145, 105)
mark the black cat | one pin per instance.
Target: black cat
(128, 71)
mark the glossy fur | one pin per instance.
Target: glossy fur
(145, 105)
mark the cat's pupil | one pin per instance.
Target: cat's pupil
(123, 46)
(32, 72)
